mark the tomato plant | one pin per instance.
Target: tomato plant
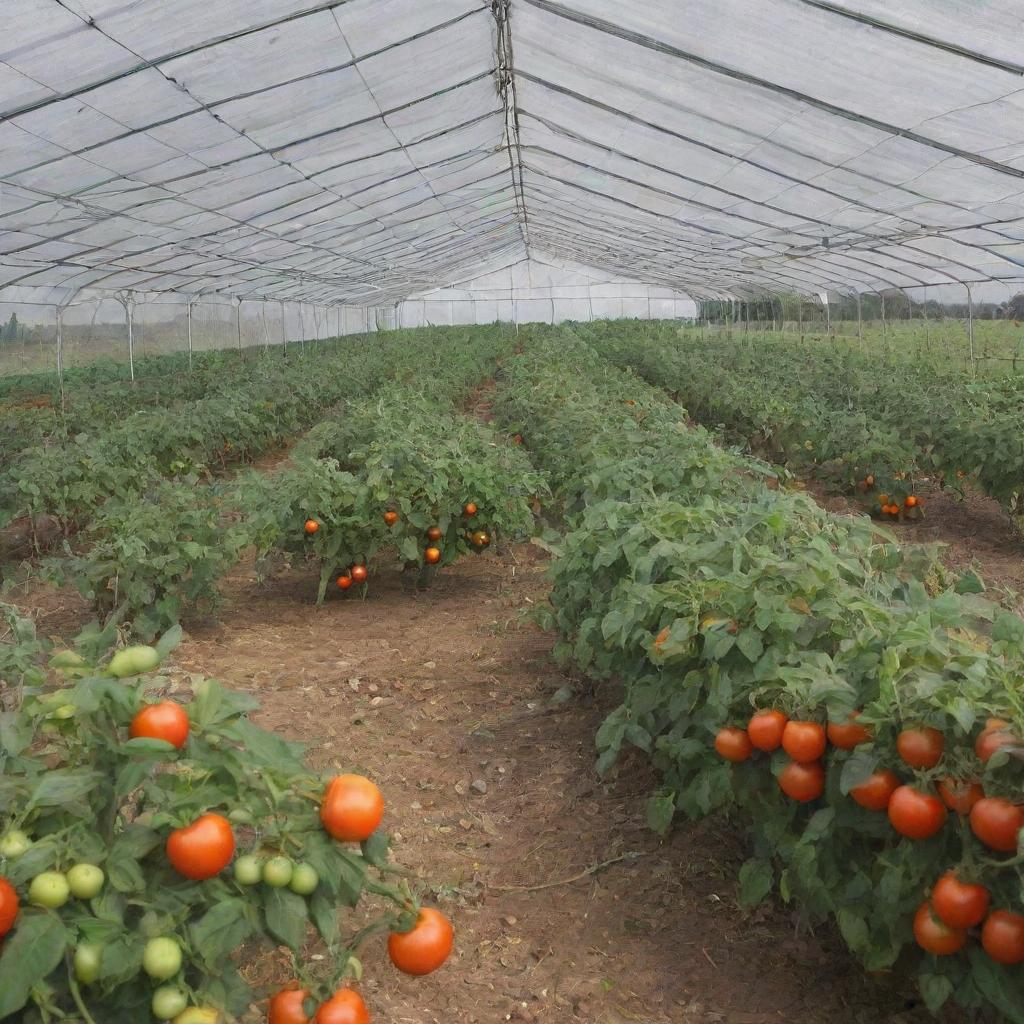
(131, 912)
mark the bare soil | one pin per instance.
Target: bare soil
(433, 693)
(974, 532)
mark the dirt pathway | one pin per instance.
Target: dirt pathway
(450, 700)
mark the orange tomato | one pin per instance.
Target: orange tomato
(312, 526)
(8, 906)
(345, 581)
(202, 849)
(434, 534)
(765, 729)
(734, 745)
(934, 936)
(391, 517)
(875, 792)
(921, 748)
(432, 556)
(847, 735)
(344, 1007)
(164, 721)
(911, 501)
(804, 741)
(802, 782)
(960, 796)
(469, 509)
(425, 947)
(352, 808)
(286, 1007)
(358, 573)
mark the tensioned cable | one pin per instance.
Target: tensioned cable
(648, 42)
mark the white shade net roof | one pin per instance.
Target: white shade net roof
(364, 151)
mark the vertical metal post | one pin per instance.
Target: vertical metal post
(129, 309)
(970, 329)
(860, 321)
(284, 332)
(828, 315)
(800, 314)
(881, 295)
(238, 322)
(190, 303)
(60, 355)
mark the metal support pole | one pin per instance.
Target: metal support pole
(284, 332)
(238, 322)
(191, 302)
(129, 310)
(828, 315)
(881, 296)
(970, 329)
(860, 321)
(60, 355)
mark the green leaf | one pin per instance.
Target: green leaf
(169, 641)
(31, 951)
(661, 809)
(859, 766)
(286, 916)
(324, 913)
(854, 930)
(756, 880)
(935, 990)
(64, 786)
(221, 930)
(375, 849)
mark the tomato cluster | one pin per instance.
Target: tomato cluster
(198, 778)
(941, 923)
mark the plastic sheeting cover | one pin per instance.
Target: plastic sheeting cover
(362, 151)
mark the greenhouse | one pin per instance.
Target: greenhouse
(511, 510)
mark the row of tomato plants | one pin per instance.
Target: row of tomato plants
(859, 422)
(121, 457)
(101, 394)
(151, 830)
(712, 595)
(398, 469)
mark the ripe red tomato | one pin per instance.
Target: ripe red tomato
(921, 748)
(164, 721)
(8, 906)
(765, 729)
(991, 740)
(358, 573)
(959, 795)
(286, 1007)
(202, 849)
(734, 745)
(847, 735)
(804, 741)
(997, 822)
(432, 556)
(802, 781)
(914, 814)
(391, 517)
(425, 947)
(434, 534)
(876, 790)
(1002, 937)
(959, 904)
(352, 808)
(934, 936)
(344, 581)
(311, 526)
(469, 508)
(344, 1007)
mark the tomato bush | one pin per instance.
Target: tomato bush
(116, 894)
(708, 592)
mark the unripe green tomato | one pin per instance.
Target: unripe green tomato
(50, 889)
(65, 711)
(248, 869)
(240, 816)
(214, 739)
(161, 959)
(304, 879)
(87, 962)
(14, 844)
(86, 881)
(199, 1015)
(134, 661)
(168, 1002)
(277, 872)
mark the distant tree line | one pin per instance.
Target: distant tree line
(898, 306)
